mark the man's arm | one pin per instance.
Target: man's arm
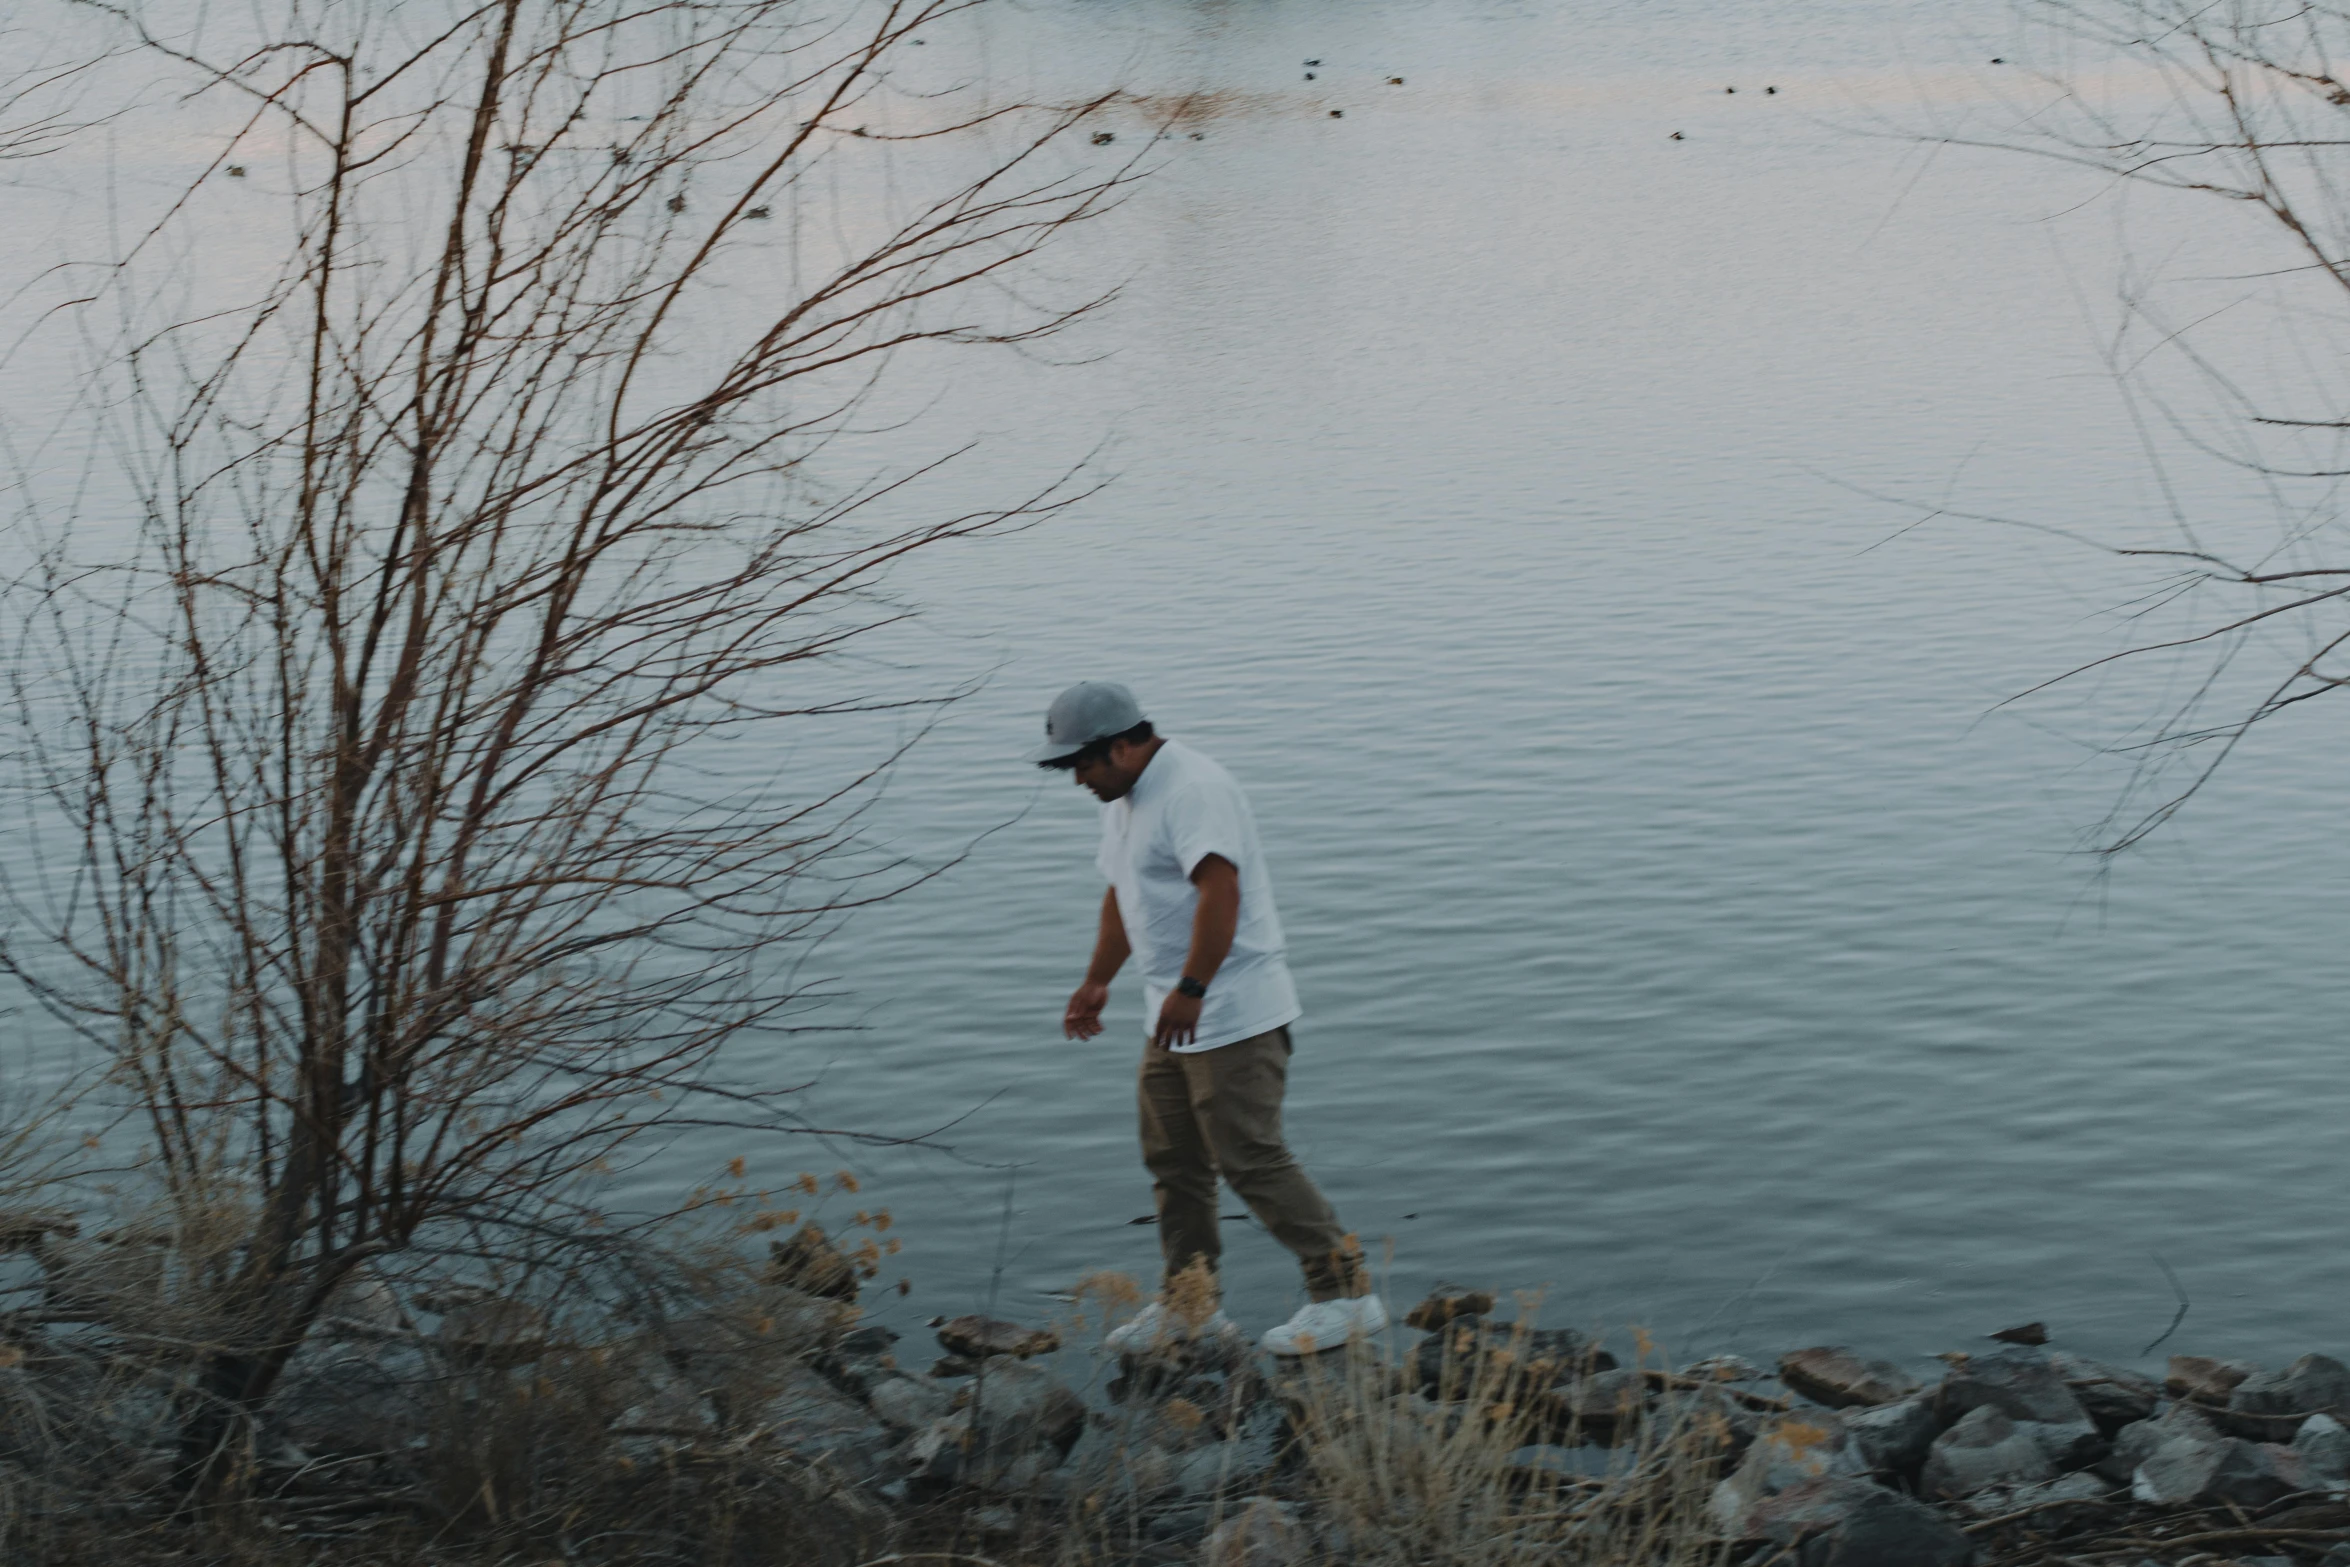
(1083, 1018)
(1213, 924)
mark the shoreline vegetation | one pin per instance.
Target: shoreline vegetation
(618, 1403)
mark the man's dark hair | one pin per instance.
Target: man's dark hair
(1095, 750)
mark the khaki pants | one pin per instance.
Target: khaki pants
(1217, 1112)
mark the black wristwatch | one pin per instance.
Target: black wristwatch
(1194, 988)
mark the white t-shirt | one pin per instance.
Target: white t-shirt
(1181, 810)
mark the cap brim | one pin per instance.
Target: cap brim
(1055, 750)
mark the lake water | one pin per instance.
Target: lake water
(1681, 931)
(1532, 510)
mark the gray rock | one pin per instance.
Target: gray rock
(347, 1400)
(1797, 1450)
(1893, 1439)
(1446, 1302)
(1221, 1468)
(2186, 1472)
(815, 1421)
(1843, 1380)
(1473, 1354)
(1999, 1500)
(2021, 1383)
(2113, 1396)
(1889, 1530)
(2324, 1445)
(1986, 1449)
(2139, 1442)
(1604, 1407)
(1541, 1461)
(28, 1423)
(364, 1306)
(810, 1262)
(2312, 1384)
(1261, 1533)
(2073, 1445)
(2338, 1556)
(908, 1403)
(2204, 1380)
(664, 1404)
(1723, 1368)
(995, 1521)
(495, 1332)
(1803, 1510)
(1109, 1465)
(983, 1338)
(1021, 1406)
(1182, 1525)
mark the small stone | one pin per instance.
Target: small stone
(1445, 1302)
(1262, 1533)
(2204, 1380)
(1986, 1448)
(1842, 1380)
(995, 1520)
(979, 1338)
(954, 1366)
(2031, 1333)
(809, 1261)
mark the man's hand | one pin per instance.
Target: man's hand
(1178, 1020)
(1083, 1017)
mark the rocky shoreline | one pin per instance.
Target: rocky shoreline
(1456, 1429)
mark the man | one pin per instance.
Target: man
(1191, 900)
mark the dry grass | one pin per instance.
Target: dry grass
(1372, 1470)
(569, 1420)
(1397, 1477)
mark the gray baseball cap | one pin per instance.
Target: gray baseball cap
(1088, 711)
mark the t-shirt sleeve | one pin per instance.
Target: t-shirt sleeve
(1201, 822)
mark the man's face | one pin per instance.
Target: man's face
(1111, 775)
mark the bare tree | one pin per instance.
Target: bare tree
(2246, 102)
(382, 745)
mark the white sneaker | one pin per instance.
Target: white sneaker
(1155, 1325)
(1327, 1324)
